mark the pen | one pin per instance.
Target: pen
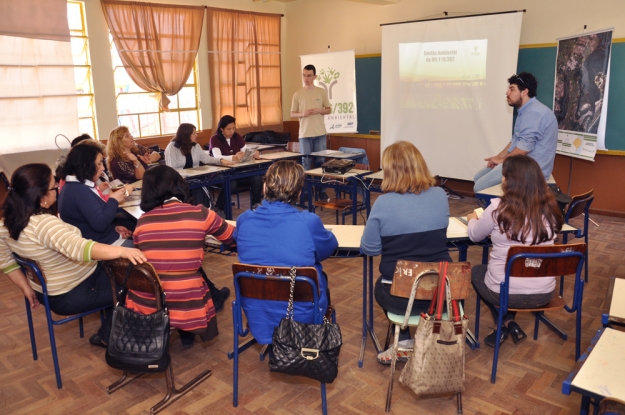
(463, 220)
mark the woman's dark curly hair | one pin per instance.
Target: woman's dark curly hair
(29, 183)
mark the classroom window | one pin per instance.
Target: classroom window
(244, 68)
(82, 67)
(139, 110)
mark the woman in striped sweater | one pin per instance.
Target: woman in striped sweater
(75, 282)
(171, 234)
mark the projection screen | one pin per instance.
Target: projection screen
(444, 85)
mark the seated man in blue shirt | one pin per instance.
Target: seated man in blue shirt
(535, 132)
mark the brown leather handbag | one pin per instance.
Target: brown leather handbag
(437, 361)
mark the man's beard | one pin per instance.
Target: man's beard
(516, 104)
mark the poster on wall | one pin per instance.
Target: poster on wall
(580, 101)
(336, 73)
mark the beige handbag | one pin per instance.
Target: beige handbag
(437, 361)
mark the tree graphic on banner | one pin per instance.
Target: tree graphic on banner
(327, 79)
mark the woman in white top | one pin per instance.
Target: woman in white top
(526, 214)
(183, 152)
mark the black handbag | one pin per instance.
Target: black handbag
(139, 343)
(310, 350)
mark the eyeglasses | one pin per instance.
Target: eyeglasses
(518, 78)
(56, 189)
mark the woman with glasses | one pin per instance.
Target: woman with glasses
(80, 203)
(76, 282)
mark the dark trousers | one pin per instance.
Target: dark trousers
(92, 293)
(491, 298)
(255, 183)
(397, 305)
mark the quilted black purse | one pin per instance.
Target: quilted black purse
(310, 350)
(139, 343)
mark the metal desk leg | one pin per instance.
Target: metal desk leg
(309, 186)
(354, 193)
(228, 201)
(363, 345)
(376, 343)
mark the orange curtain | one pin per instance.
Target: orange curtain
(157, 43)
(244, 66)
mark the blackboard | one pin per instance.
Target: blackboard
(538, 60)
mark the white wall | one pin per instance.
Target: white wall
(312, 25)
(103, 84)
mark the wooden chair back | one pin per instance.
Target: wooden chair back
(579, 203)
(544, 261)
(143, 278)
(277, 284)
(459, 274)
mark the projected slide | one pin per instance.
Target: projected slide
(443, 75)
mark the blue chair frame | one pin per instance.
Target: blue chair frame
(579, 205)
(540, 261)
(306, 290)
(33, 272)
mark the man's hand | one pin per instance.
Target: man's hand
(492, 162)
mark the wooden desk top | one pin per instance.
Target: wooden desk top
(201, 170)
(378, 175)
(319, 172)
(335, 154)
(603, 372)
(279, 155)
(496, 189)
(614, 307)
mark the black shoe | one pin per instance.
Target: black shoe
(97, 341)
(187, 338)
(490, 339)
(516, 333)
(222, 295)
(323, 196)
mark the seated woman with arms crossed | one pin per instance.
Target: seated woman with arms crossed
(171, 234)
(409, 222)
(303, 242)
(526, 214)
(76, 282)
(228, 144)
(183, 152)
(127, 161)
(80, 203)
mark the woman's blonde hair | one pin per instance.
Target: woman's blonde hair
(115, 146)
(284, 181)
(405, 170)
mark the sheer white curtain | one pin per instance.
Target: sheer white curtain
(37, 88)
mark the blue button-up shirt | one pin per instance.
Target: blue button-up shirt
(536, 131)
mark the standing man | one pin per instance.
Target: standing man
(310, 104)
(535, 132)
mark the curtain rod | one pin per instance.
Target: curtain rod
(206, 7)
(454, 17)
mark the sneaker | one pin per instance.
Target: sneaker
(386, 356)
(490, 339)
(516, 333)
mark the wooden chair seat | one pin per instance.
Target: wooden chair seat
(555, 304)
(334, 203)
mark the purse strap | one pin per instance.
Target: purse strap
(289, 309)
(123, 290)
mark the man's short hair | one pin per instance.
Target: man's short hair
(525, 80)
(311, 68)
